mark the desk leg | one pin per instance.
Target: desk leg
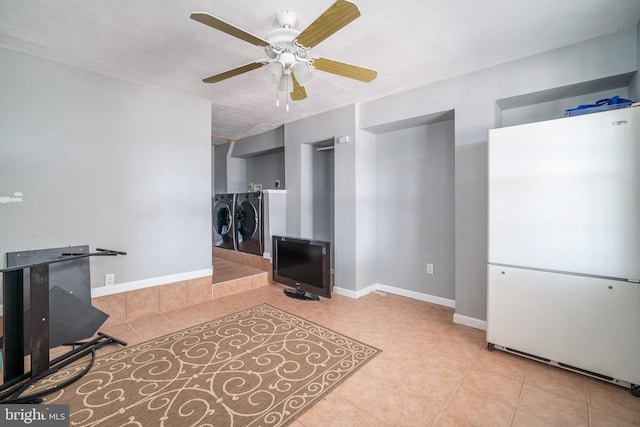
(39, 321)
(13, 341)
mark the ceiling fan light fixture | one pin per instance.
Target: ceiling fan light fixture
(303, 73)
(286, 83)
(273, 72)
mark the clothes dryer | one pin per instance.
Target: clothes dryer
(223, 221)
(249, 235)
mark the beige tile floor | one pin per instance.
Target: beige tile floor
(430, 372)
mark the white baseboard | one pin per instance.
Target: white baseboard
(396, 291)
(417, 295)
(378, 287)
(148, 283)
(470, 321)
(354, 294)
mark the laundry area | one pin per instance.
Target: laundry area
(245, 222)
(238, 222)
(249, 200)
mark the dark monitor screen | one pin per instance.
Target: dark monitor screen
(302, 264)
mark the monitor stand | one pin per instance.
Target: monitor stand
(299, 294)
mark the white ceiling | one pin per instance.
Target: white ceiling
(410, 42)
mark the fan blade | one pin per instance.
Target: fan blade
(337, 16)
(234, 72)
(225, 27)
(345, 70)
(298, 93)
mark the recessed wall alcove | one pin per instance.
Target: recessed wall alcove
(414, 203)
(551, 103)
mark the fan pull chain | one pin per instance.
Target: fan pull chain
(288, 92)
(277, 96)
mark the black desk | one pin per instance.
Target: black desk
(13, 304)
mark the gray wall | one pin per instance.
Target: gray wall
(335, 123)
(236, 172)
(220, 167)
(634, 87)
(105, 163)
(323, 194)
(473, 97)
(415, 210)
(257, 159)
(265, 169)
(263, 143)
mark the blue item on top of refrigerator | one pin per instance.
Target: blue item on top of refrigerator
(600, 105)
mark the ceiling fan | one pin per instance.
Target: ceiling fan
(289, 64)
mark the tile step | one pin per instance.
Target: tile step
(241, 284)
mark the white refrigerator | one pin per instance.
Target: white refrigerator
(564, 243)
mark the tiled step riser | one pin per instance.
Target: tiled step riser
(243, 284)
(144, 302)
(158, 299)
(140, 303)
(242, 258)
(237, 257)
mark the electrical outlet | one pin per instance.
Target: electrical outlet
(109, 279)
(429, 268)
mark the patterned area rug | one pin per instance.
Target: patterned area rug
(261, 366)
